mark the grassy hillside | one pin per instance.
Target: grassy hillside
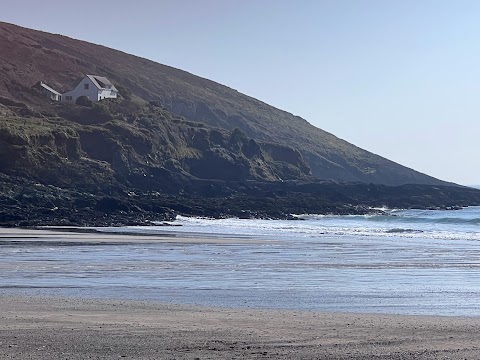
(28, 56)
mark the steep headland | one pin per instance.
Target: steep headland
(172, 143)
(28, 56)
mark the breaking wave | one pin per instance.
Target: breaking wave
(435, 224)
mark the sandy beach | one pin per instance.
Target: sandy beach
(36, 326)
(65, 328)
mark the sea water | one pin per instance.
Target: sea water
(406, 262)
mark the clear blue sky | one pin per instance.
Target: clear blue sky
(400, 78)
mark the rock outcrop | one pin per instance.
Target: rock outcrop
(153, 147)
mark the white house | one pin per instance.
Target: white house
(48, 91)
(93, 87)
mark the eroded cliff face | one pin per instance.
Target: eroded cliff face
(151, 147)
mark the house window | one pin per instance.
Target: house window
(86, 86)
(68, 98)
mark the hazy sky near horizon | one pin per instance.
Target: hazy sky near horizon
(400, 78)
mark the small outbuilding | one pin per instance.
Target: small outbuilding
(48, 91)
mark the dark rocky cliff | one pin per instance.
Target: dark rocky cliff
(129, 162)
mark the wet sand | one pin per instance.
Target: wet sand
(89, 235)
(38, 327)
(65, 328)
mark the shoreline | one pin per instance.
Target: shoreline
(62, 275)
(79, 327)
(71, 328)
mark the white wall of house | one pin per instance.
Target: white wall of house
(90, 91)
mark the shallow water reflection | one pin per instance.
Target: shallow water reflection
(334, 273)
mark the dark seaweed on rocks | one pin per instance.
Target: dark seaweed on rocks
(24, 202)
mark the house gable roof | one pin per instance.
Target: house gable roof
(100, 82)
